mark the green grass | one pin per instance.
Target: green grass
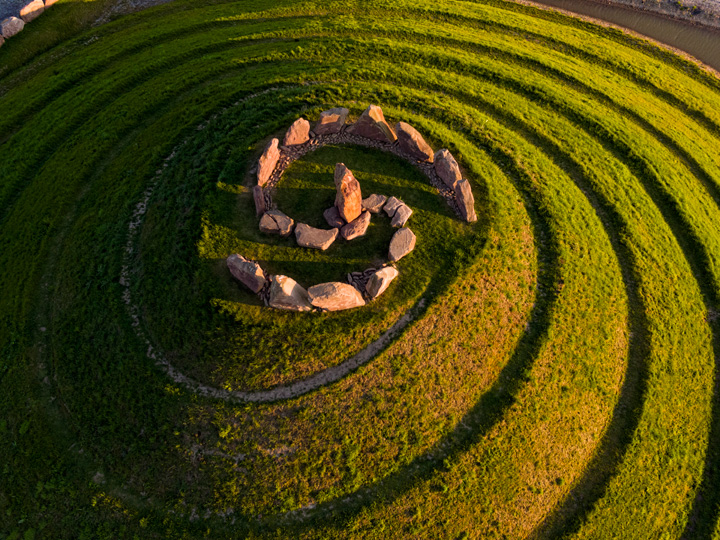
(560, 381)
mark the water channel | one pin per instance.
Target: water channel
(701, 42)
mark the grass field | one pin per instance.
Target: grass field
(559, 378)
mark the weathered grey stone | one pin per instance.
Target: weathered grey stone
(447, 168)
(412, 143)
(259, 199)
(372, 125)
(275, 222)
(11, 26)
(311, 237)
(30, 12)
(285, 293)
(247, 272)
(298, 133)
(348, 199)
(356, 228)
(267, 162)
(332, 216)
(331, 121)
(335, 296)
(465, 200)
(391, 206)
(402, 243)
(374, 203)
(402, 214)
(380, 281)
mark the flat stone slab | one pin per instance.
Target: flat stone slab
(447, 168)
(32, 11)
(335, 296)
(285, 293)
(391, 206)
(311, 237)
(332, 216)
(402, 243)
(275, 222)
(331, 121)
(356, 228)
(412, 143)
(374, 203)
(380, 281)
(11, 26)
(267, 162)
(348, 198)
(401, 215)
(297, 133)
(372, 125)
(465, 201)
(249, 273)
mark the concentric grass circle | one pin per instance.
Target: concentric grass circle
(559, 380)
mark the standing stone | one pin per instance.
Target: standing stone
(332, 216)
(267, 162)
(380, 281)
(374, 203)
(391, 206)
(348, 199)
(331, 121)
(298, 133)
(311, 237)
(285, 293)
(275, 222)
(49, 3)
(259, 199)
(247, 272)
(402, 243)
(356, 228)
(412, 143)
(402, 214)
(11, 26)
(465, 201)
(32, 11)
(372, 125)
(335, 296)
(447, 168)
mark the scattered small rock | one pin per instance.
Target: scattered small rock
(412, 143)
(267, 162)
(379, 281)
(275, 222)
(247, 272)
(332, 216)
(402, 243)
(447, 168)
(374, 203)
(11, 26)
(348, 199)
(335, 296)
(32, 11)
(356, 228)
(372, 125)
(298, 133)
(311, 237)
(465, 201)
(402, 214)
(285, 293)
(331, 121)
(259, 198)
(391, 206)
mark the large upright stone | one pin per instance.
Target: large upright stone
(447, 168)
(311, 237)
(285, 293)
(32, 11)
(259, 200)
(331, 121)
(275, 222)
(11, 26)
(412, 143)
(380, 281)
(247, 272)
(49, 3)
(465, 200)
(267, 162)
(372, 125)
(297, 133)
(374, 203)
(335, 296)
(356, 228)
(348, 199)
(402, 243)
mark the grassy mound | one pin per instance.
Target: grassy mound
(559, 380)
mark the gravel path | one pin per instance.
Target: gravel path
(8, 8)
